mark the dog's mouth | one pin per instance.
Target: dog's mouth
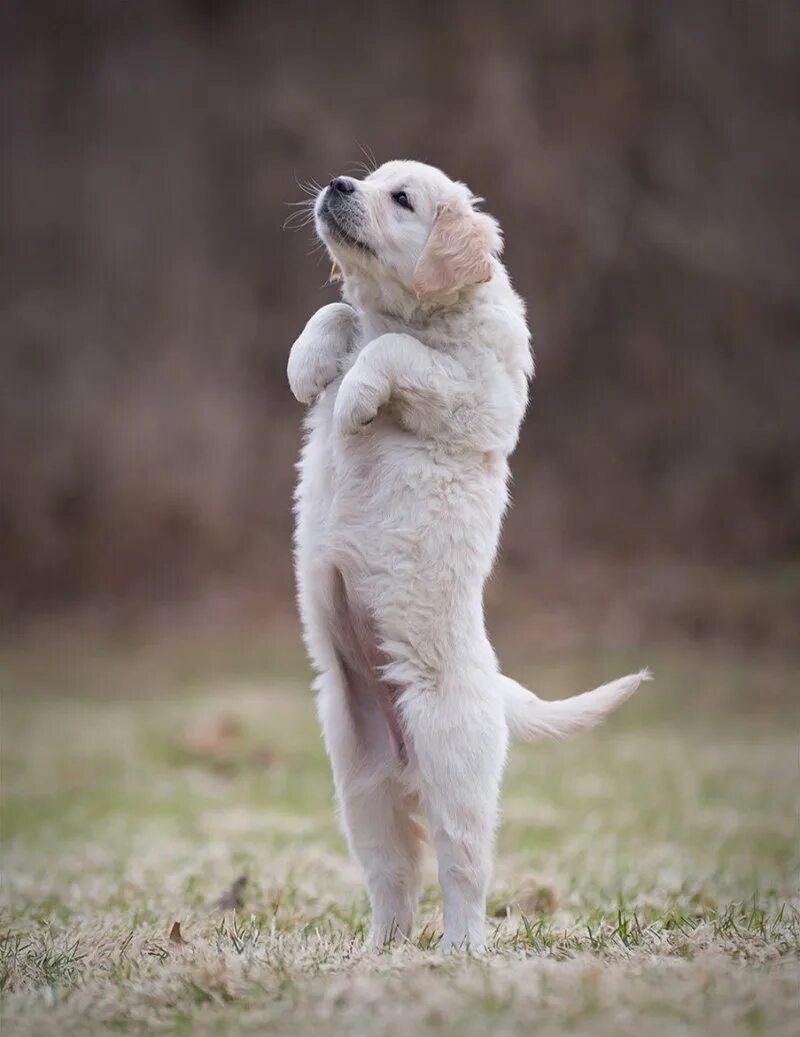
(333, 225)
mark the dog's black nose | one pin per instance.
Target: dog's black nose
(342, 185)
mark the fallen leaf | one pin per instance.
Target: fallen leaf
(219, 743)
(175, 935)
(212, 737)
(534, 898)
(231, 899)
(261, 756)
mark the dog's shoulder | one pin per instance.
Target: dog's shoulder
(494, 325)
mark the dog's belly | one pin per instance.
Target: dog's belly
(412, 529)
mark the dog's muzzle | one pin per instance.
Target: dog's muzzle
(341, 214)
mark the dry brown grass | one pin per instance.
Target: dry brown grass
(646, 878)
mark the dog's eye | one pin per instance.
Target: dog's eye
(402, 200)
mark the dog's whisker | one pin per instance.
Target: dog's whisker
(369, 154)
(305, 205)
(296, 221)
(358, 167)
(301, 211)
(309, 187)
(302, 214)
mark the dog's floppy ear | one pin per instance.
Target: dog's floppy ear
(458, 251)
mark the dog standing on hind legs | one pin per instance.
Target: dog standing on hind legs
(417, 384)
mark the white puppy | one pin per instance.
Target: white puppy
(419, 382)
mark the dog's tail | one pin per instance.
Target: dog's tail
(530, 717)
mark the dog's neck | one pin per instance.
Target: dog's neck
(388, 299)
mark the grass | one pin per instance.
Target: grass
(646, 881)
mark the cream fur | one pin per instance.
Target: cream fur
(418, 382)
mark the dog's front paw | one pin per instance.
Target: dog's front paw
(310, 371)
(315, 356)
(357, 403)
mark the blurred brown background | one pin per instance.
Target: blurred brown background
(643, 161)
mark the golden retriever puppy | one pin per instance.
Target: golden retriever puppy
(417, 382)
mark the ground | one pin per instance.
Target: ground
(646, 880)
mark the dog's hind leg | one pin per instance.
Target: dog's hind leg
(458, 739)
(376, 810)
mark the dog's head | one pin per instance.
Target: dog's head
(407, 229)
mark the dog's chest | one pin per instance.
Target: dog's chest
(372, 326)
